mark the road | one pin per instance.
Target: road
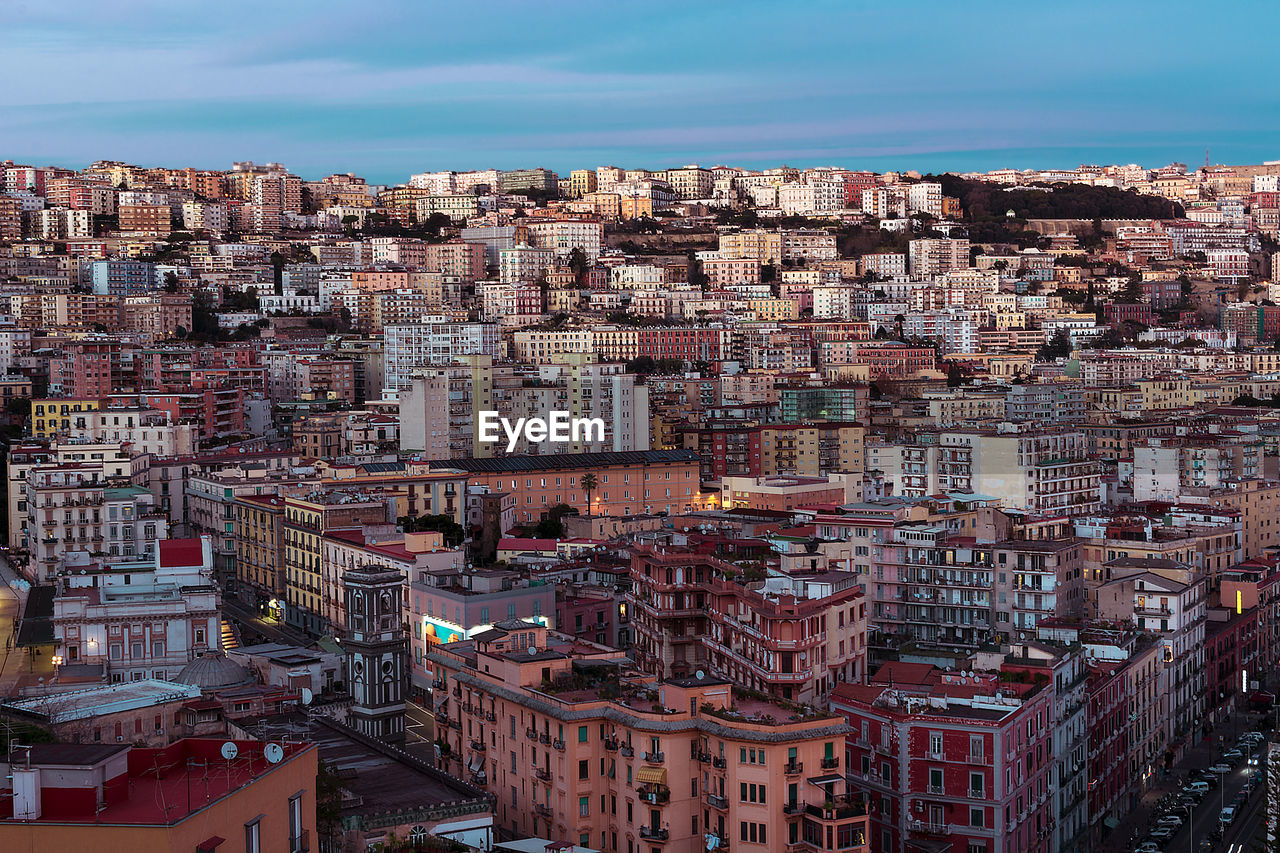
(11, 601)
(251, 623)
(1206, 814)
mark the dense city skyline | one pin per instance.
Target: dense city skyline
(386, 89)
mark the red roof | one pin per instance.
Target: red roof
(181, 552)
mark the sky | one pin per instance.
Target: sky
(386, 88)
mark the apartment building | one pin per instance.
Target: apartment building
(935, 256)
(413, 345)
(310, 514)
(955, 761)
(621, 762)
(633, 482)
(794, 637)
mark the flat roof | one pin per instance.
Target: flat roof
(104, 699)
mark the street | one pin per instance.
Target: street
(11, 601)
(1207, 811)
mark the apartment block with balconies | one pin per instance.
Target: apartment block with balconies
(575, 744)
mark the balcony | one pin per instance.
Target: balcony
(792, 808)
(611, 744)
(531, 734)
(717, 802)
(542, 810)
(478, 778)
(557, 744)
(830, 763)
(490, 717)
(978, 758)
(652, 757)
(718, 762)
(977, 794)
(928, 827)
(545, 738)
(626, 751)
(793, 768)
(478, 745)
(702, 757)
(652, 834)
(837, 809)
(542, 773)
(655, 794)
(938, 790)
(438, 684)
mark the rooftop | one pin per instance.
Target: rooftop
(105, 699)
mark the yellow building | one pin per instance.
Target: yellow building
(258, 530)
(582, 182)
(51, 415)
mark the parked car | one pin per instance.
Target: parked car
(1221, 768)
(1170, 820)
(1147, 847)
(1232, 755)
(1227, 816)
(1161, 834)
(1197, 789)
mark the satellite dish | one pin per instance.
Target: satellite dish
(230, 750)
(306, 696)
(273, 753)
(699, 675)
(533, 650)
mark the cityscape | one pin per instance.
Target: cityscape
(685, 428)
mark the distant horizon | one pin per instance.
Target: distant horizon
(991, 160)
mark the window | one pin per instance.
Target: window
(975, 817)
(582, 734)
(584, 806)
(295, 823)
(252, 837)
(584, 769)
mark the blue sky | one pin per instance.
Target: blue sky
(385, 88)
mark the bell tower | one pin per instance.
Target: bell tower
(377, 653)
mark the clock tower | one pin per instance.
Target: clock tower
(377, 655)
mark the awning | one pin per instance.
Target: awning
(210, 844)
(826, 780)
(1111, 822)
(652, 775)
(475, 763)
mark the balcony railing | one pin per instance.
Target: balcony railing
(557, 744)
(478, 745)
(626, 751)
(542, 809)
(717, 802)
(531, 734)
(718, 762)
(652, 834)
(653, 757)
(792, 768)
(611, 744)
(830, 763)
(542, 773)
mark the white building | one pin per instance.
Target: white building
(143, 618)
(409, 346)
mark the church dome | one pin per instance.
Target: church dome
(214, 671)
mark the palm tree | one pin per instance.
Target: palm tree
(589, 485)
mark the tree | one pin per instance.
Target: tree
(579, 263)
(1131, 293)
(589, 484)
(697, 278)
(552, 527)
(1059, 346)
(170, 282)
(452, 530)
